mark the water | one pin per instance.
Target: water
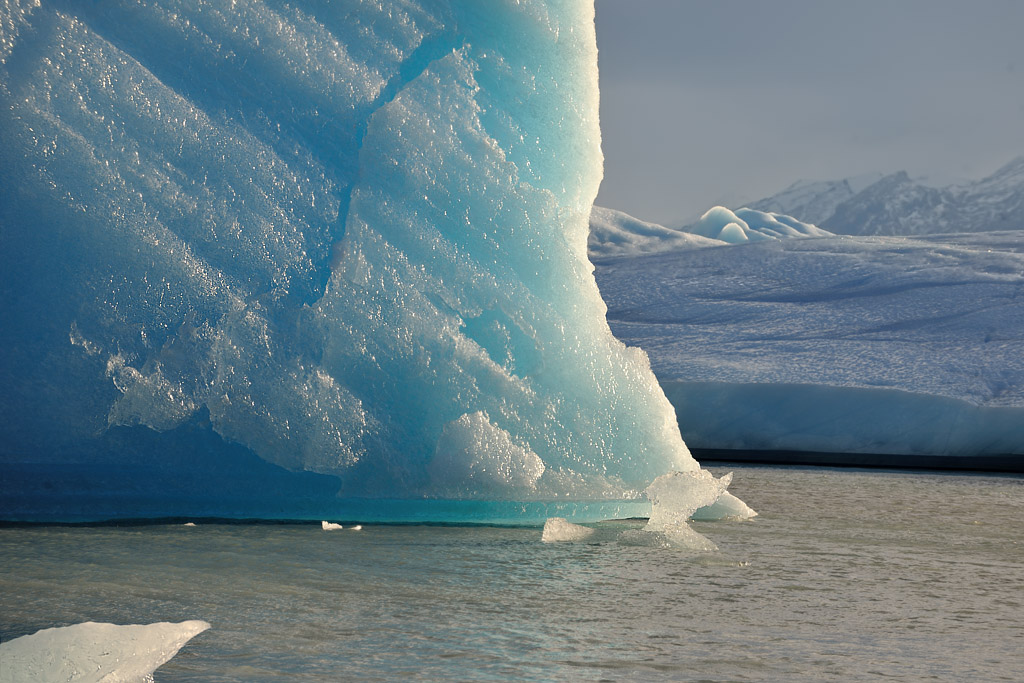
(846, 574)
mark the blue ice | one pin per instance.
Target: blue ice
(248, 243)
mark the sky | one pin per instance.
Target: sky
(725, 102)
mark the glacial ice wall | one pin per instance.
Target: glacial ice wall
(346, 237)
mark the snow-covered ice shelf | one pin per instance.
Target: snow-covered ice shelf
(843, 344)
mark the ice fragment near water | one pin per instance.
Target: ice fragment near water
(678, 497)
(560, 529)
(727, 506)
(94, 653)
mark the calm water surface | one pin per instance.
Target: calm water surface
(845, 575)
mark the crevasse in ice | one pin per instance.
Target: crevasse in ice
(346, 237)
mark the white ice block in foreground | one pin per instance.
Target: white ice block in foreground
(91, 652)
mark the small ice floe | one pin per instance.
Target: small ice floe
(189, 524)
(94, 652)
(727, 507)
(675, 497)
(357, 527)
(560, 529)
(330, 526)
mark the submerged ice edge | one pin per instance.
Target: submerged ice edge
(362, 254)
(676, 499)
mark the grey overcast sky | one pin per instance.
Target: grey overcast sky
(709, 102)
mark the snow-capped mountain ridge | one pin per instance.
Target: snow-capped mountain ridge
(897, 204)
(815, 201)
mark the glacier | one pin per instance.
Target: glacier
(882, 350)
(318, 260)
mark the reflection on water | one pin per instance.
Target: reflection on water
(845, 574)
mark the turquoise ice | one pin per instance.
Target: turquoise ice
(348, 238)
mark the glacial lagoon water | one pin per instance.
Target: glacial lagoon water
(844, 575)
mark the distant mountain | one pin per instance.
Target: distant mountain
(898, 205)
(815, 202)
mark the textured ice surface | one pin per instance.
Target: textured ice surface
(94, 653)
(842, 344)
(345, 239)
(557, 529)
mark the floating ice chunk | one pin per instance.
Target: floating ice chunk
(560, 529)
(357, 527)
(189, 524)
(675, 499)
(727, 506)
(330, 526)
(104, 653)
(677, 495)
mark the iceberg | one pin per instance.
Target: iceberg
(95, 653)
(328, 259)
